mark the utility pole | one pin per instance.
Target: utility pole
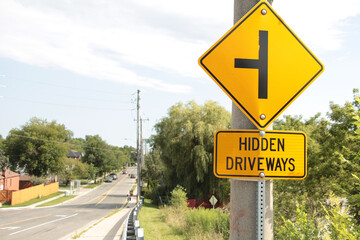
(142, 140)
(243, 197)
(137, 145)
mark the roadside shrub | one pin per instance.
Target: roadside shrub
(334, 223)
(340, 225)
(38, 180)
(178, 197)
(302, 227)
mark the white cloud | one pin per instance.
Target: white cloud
(110, 39)
(53, 39)
(318, 23)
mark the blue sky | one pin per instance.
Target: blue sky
(81, 62)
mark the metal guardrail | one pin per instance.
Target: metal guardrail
(132, 230)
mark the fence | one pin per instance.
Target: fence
(132, 230)
(34, 192)
(5, 196)
(25, 184)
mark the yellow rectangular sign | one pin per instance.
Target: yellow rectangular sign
(245, 154)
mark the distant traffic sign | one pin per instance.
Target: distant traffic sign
(261, 65)
(213, 200)
(245, 154)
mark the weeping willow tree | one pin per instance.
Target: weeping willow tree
(185, 143)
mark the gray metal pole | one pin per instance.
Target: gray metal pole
(243, 203)
(138, 147)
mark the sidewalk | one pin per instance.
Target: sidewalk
(106, 228)
(83, 191)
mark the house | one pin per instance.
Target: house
(25, 181)
(74, 154)
(9, 180)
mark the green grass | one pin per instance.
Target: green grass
(64, 187)
(85, 181)
(93, 185)
(56, 201)
(182, 223)
(152, 220)
(33, 201)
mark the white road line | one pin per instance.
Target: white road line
(43, 224)
(9, 228)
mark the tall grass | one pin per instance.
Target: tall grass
(207, 221)
(202, 224)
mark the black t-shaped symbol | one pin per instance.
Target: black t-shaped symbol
(261, 64)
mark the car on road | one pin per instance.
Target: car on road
(132, 176)
(109, 179)
(124, 172)
(113, 175)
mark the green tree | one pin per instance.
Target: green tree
(95, 152)
(39, 147)
(1, 143)
(130, 154)
(153, 169)
(74, 169)
(333, 164)
(111, 162)
(93, 171)
(4, 161)
(77, 144)
(185, 142)
(314, 188)
(117, 157)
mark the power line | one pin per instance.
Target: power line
(69, 105)
(67, 87)
(65, 143)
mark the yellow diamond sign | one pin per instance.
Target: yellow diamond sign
(261, 65)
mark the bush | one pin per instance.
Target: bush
(302, 227)
(334, 223)
(178, 197)
(38, 180)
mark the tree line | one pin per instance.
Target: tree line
(182, 154)
(39, 148)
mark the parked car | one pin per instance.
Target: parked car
(109, 179)
(113, 175)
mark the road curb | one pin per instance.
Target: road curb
(92, 224)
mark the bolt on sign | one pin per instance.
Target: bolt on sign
(245, 154)
(261, 65)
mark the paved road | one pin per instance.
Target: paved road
(59, 221)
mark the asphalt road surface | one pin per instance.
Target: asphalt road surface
(62, 220)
